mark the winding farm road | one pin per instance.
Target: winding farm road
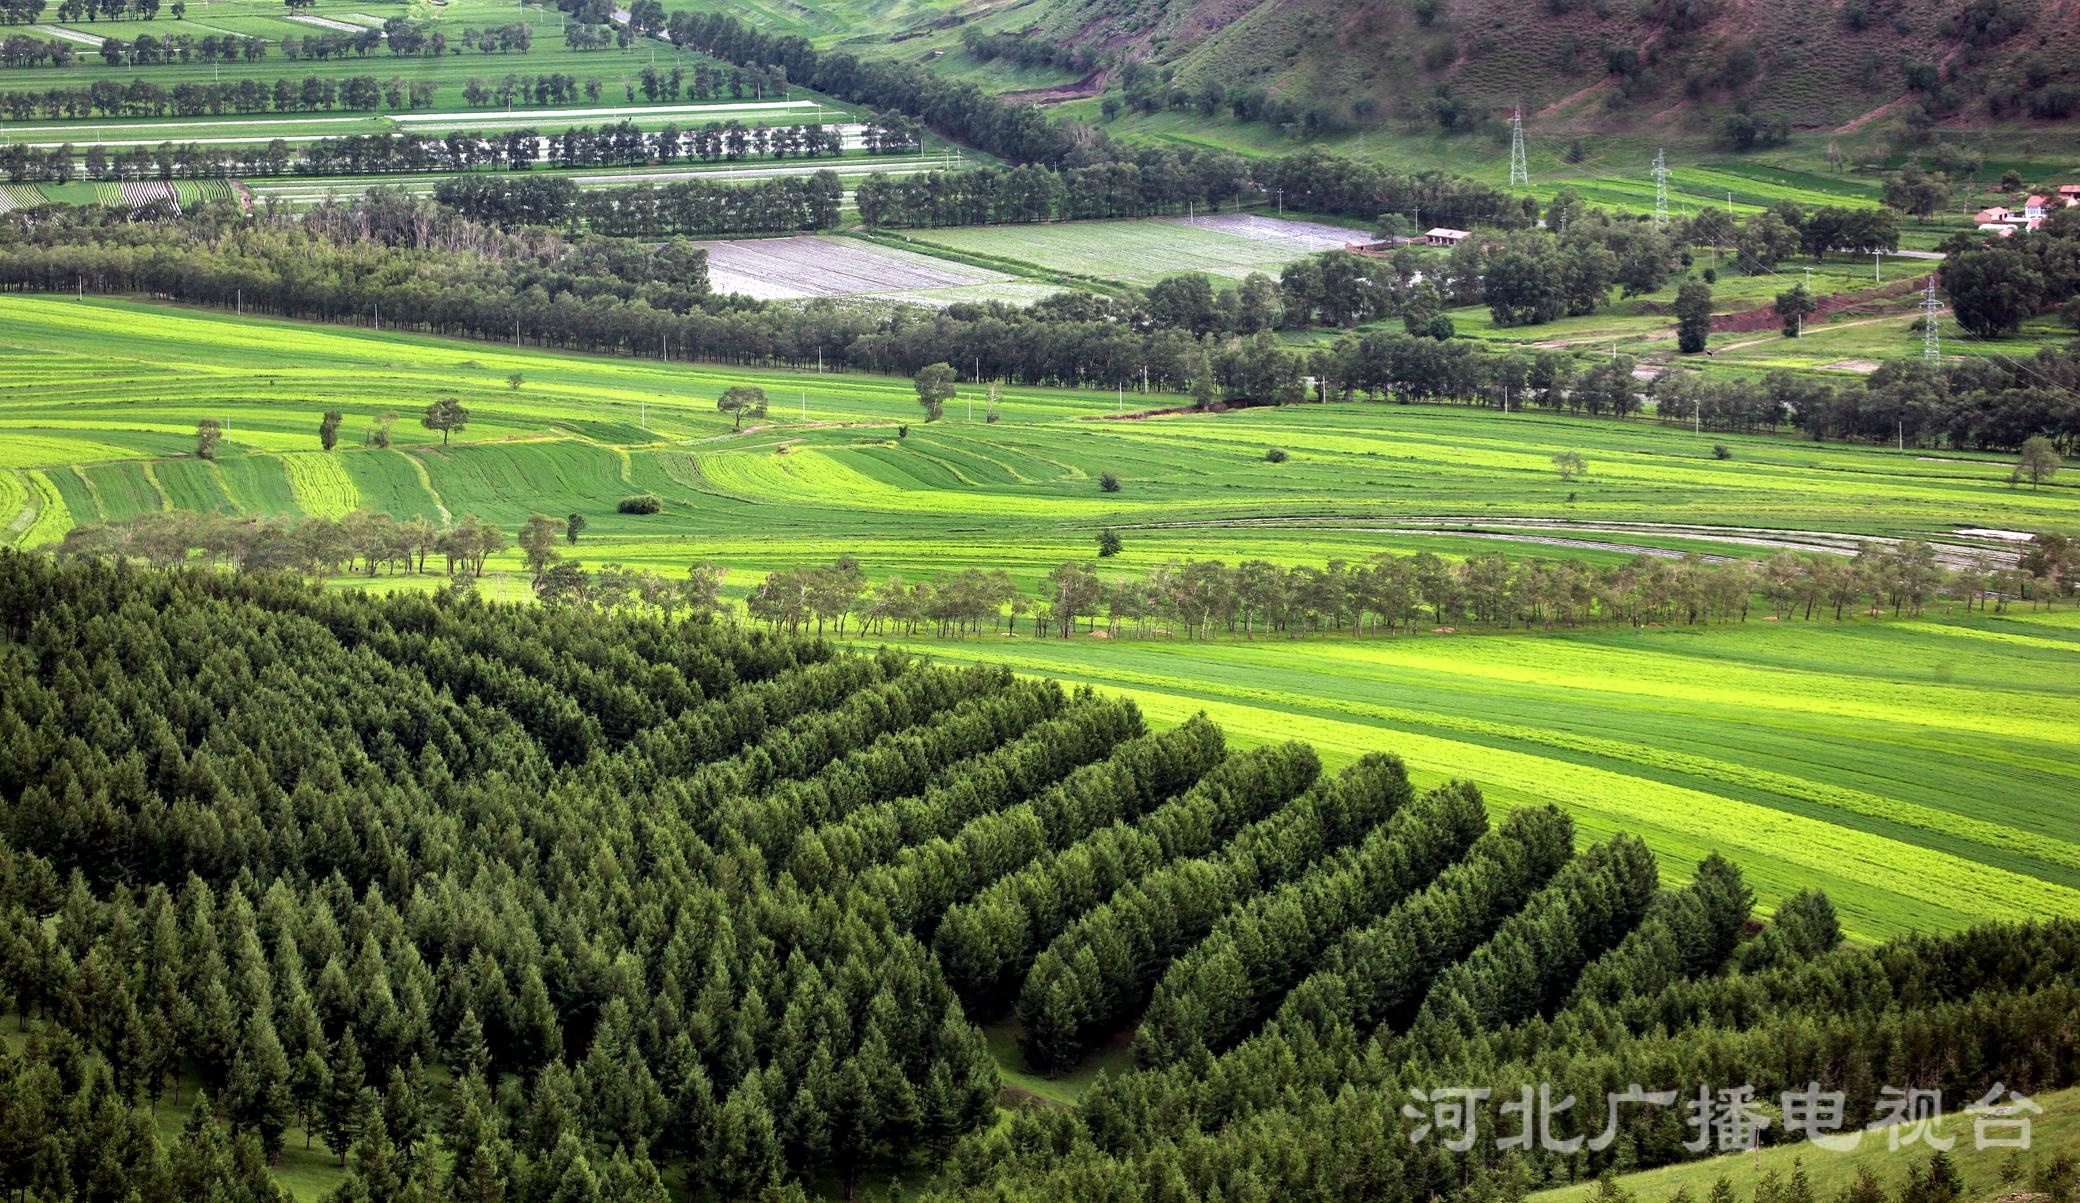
(1959, 550)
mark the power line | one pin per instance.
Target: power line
(1519, 167)
(1931, 320)
(1660, 190)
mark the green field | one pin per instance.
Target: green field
(1905, 765)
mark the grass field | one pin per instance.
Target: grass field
(1908, 766)
(2055, 1132)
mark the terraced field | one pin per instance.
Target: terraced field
(1904, 765)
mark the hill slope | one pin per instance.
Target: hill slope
(1582, 64)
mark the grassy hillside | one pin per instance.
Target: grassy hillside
(2055, 1132)
(1904, 765)
(1665, 64)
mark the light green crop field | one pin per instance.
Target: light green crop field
(1918, 769)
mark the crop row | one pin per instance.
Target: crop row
(320, 485)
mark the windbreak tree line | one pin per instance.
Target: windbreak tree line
(517, 150)
(149, 98)
(1195, 599)
(505, 279)
(544, 903)
(1390, 594)
(696, 208)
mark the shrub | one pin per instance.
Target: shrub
(1721, 451)
(640, 504)
(1277, 455)
(1108, 482)
(1109, 543)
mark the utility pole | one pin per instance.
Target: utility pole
(1519, 167)
(1281, 202)
(1660, 190)
(1877, 267)
(1931, 317)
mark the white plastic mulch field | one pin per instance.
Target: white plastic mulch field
(779, 269)
(1308, 236)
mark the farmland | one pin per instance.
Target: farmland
(1899, 762)
(1228, 247)
(795, 268)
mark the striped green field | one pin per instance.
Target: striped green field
(1918, 769)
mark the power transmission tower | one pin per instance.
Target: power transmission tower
(1519, 167)
(1660, 190)
(1931, 338)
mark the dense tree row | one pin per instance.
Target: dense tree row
(1378, 974)
(696, 208)
(1100, 971)
(623, 144)
(987, 942)
(1532, 961)
(377, 154)
(1687, 934)
(928, 878)
(1219, 990)
(148, 98)
(21, 50)
(1139, 183)
(1037, 758)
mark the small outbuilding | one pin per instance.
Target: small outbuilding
(1442, 236)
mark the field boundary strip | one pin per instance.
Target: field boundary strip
(426, 482)
(52, 519)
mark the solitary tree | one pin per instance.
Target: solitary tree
(1570, 464)
(2039, 462)
(538, 543)
(1203, 388)
(1793, 308)
(208, 433)
(1109, 542)
(934, 389)
(1693, 316)
(573, 526)
(741, 401)
(446, 415)
(328, 428)
(379, 431)
(515, 380)
(1108, 482)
